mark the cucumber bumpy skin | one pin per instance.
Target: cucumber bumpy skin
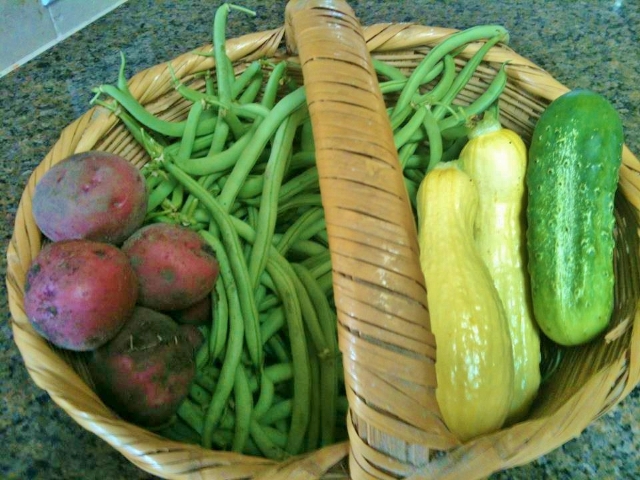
(572, 176)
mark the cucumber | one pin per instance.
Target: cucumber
(572, 177)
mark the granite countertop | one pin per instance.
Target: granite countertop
(590, 44)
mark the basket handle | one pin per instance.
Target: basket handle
(383, 323)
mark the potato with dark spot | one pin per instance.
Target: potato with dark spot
(92, 195)
(176, 268)
(79, 293)
(144, 373)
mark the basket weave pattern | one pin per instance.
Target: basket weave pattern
(388, 350)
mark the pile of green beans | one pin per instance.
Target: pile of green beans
(240, 170)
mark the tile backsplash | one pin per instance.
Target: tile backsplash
(29, 27)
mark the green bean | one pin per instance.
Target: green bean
(303, 228)
(220, 135)
(300, 201)
(453, 133)
(313, 430)
(273, 84)
(397, 84)
(277, 347)
(277, 436)
(325, 282)
(309, 314)
(220, 326)
(328, 369)
(442, 87)
(465, 75)
(387, 70)
(189, 134)
(301, 183)
(202, 356)
(267, 214)
(252, 187)
(278, 411)
(269, 302)
(152, 177)
(177, 197)
(400, 137)
(399, 117)
(300, 354)
(224, 69)
(226, 381)
(290, 285)
(251, 92)
(250, 154)
(317, 262)
(412, 191)
(192, 415)
(308, 248)
(452, 42)
(435, 139)
(253, 71)
(485, 100)
(280, 372)
(272, 324)
(307, 143)
(407, 150)
(265, 444)
(199, 394)
(179, 431)
(152, 145)
(453, 151)
(392, 86)
(244, 408)
(191, 204)
(207, 377)
(160, 193)
(303, 159)
(322, 236)
(265, 400)
(219, 161)
(261, 293)
(415, 174)
(122, 83)
(146, 118)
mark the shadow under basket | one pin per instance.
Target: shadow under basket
(394, 424)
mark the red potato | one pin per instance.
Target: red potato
(197, 314)
(144, 373)
(175, 266)
(93, 195)
(79, 293)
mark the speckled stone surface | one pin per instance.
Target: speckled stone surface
(592, 44)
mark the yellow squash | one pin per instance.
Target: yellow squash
(474, 364)
(496, 159)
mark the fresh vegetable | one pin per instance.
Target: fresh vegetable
(79, 293)
(174, 265)
(496, 160)
(474, 359)
(145, 371)
(92, 195)
(240, 170)
(574, 159)
(198, 313)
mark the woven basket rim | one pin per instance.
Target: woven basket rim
(49, 370)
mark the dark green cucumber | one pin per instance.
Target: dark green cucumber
(572, 177)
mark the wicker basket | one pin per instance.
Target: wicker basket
(388, 350)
